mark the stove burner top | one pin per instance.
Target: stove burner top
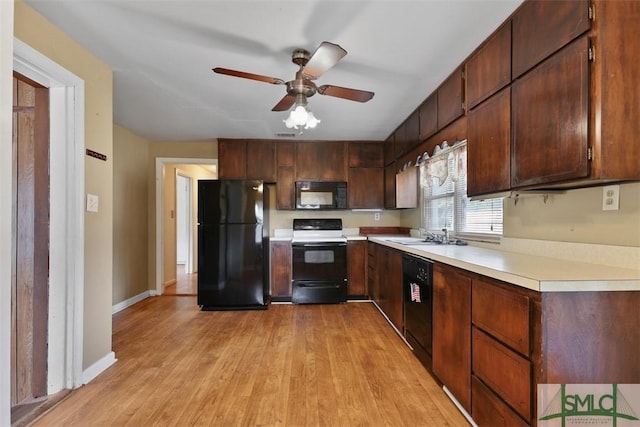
(317, 230)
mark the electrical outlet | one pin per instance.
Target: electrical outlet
(376, 216)
(611, 198)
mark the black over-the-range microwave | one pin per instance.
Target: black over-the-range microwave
(316, 195)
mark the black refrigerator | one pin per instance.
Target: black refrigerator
(232, 245)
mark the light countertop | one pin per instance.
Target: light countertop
(538, 273)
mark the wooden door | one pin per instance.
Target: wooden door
(428, 116)
(261, 160)
(450, 99)
(357, 268)
(30, 281)
(321, 161)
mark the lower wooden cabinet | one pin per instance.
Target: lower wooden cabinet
(280, 271)
(385, 282)
(357, 268)
(452, 331)
(489, 410)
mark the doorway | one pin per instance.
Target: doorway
(166, 232)
(184, 228)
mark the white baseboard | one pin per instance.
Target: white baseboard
(129, 302)
(97, 368)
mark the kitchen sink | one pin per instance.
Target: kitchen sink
(417, 241)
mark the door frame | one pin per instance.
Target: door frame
(159, 212)
(66, 247)
(188, 264)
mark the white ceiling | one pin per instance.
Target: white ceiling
(162, 53)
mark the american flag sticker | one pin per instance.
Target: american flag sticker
(415, 292)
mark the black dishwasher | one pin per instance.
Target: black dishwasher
(417, 280)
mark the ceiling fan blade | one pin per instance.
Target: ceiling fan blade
(251, 76)
(345, 93)
(326, 56)
(285, 103)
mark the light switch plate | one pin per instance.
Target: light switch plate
(92, 203)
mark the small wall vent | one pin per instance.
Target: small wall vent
(285, 134)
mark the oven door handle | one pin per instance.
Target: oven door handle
(318, 244)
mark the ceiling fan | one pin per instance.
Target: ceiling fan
(299, 89)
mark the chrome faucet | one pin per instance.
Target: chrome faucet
(445, 237)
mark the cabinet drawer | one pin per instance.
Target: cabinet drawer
(503, 314)
(507, 373)
(487, 409)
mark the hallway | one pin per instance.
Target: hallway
(186, 284)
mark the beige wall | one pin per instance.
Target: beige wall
(576, 216)
(130, 214)
(572, 216)
(33, 29)
(207, 149)
(195, 172)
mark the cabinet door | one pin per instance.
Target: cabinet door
(366, 155)
(489, 70)
(232, 159)
(390, 285)
(357, 268)
(321, 161)
(390, 186)
(281, 271)
(400, 140)
(550, 111)
(540, 28)
(261, 160)
(407, 188)
(412, 137)
(285, 188)
(372, 272)
(489, 145)
(366, 188)
(452, 331)
(389, 150)
(489, 410)
(450, 99)
(428, 113)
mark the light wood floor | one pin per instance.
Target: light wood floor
(186, 284)
(290, 365)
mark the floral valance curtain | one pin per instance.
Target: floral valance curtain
(446, 162)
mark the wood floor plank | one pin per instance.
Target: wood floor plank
(290, 365)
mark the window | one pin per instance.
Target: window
(443, 180)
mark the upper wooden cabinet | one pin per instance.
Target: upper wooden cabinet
(365, 155)
(451, 98)
(389, 150)
(400, 140)
(366, 188)
(232, 159)
(286, 176)
(489, 69)
(247, 159)
(321, 161)
(489, 145)
(428, 117)
(541, 28)
(390, 186)
(407, 188)
(551, 119)
(413, 130)
(366, 175)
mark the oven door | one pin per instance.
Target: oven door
(319, 261)
(319, 273)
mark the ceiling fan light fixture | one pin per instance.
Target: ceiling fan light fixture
(299, 117)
